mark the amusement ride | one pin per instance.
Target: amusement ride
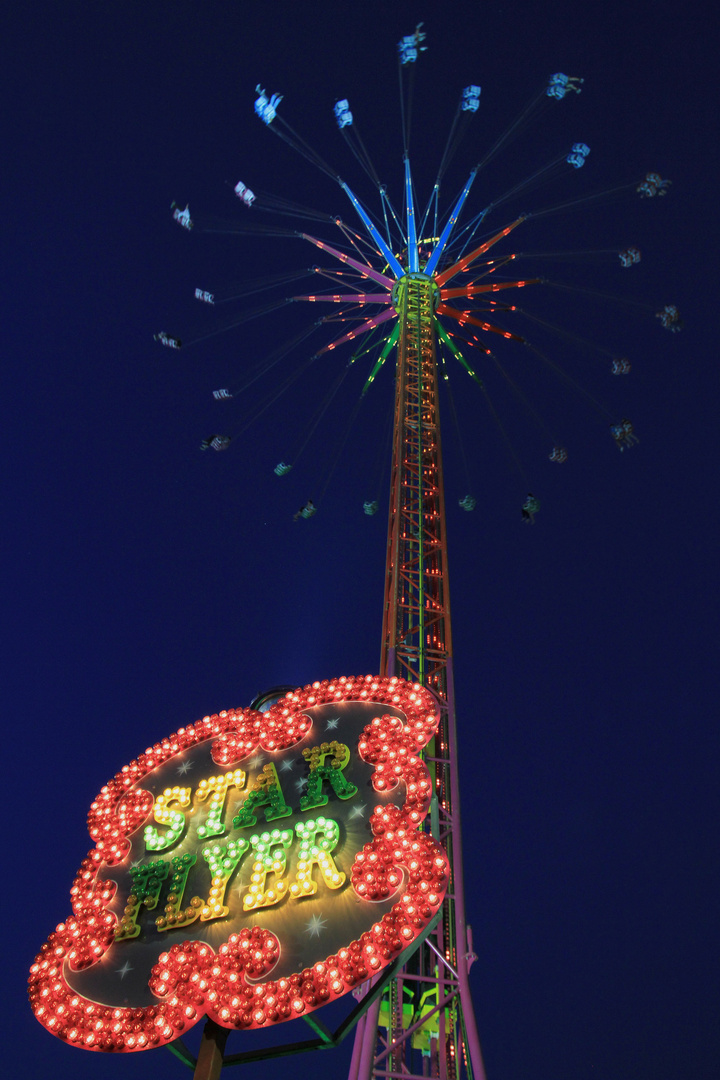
(425, 288)
(422, 286)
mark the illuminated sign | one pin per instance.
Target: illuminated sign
(249, 868)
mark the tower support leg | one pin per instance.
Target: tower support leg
(211, 1053)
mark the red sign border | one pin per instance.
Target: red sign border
(191, 980)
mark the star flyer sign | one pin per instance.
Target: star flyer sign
(249, 868)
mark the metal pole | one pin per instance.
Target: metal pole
(211, 1053)
(357, 1047)
(369, 1037)
(471, 1033)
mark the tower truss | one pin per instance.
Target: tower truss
(424, 1024)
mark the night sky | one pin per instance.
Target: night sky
(147, 584)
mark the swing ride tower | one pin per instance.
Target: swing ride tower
(428, 1006)
(424, 1024)
(408, 963)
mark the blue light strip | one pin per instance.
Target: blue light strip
(412, 247)
(440, 246)
(392, 262)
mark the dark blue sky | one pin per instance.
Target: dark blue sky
(147, 584)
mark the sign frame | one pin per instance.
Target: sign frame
(232, 983)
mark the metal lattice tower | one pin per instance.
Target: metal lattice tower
(424, 1025)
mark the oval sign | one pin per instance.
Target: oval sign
(249, 868)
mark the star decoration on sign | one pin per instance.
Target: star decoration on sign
(357, 811)
(185, 768)
(332, 724)
(257, 761)
(300, 783)
(314, 925)
(287, 765)
(122, 972)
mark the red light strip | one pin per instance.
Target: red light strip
(465, 262)
(464, 317)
